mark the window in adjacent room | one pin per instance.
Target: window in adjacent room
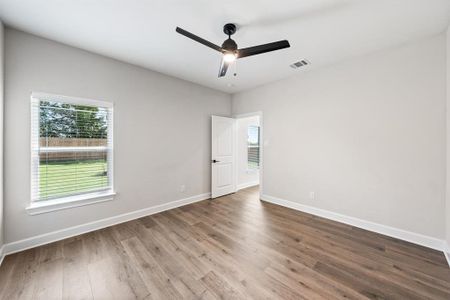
(72, 148)
(253, 147)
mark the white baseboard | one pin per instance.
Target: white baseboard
(447, 253)
(247, 185)
(84, 228)
(2, 254)
(54, 236)
(401, 234)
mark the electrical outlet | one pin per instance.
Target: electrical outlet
(182, 188)
(312, 195)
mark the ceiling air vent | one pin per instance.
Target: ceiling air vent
(301, 63)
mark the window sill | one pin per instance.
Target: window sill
(42, 207)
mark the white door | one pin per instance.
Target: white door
(223, 160)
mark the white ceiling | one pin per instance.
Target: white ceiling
(142, 32)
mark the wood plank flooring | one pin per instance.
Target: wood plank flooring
(234, 247)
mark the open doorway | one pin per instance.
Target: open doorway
(249, 151)
(236, 154)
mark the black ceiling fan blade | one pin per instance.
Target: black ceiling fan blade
(223, 68)
(244, 52)
(198, 39)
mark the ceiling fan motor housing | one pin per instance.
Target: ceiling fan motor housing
(229, 45)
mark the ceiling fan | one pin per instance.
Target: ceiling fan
(230, 49)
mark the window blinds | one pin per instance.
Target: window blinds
(71, 147)
(253, 147)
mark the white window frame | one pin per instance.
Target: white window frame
(44, 206)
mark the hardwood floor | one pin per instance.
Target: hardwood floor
(234, 247)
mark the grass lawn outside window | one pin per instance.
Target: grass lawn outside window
(63, 178)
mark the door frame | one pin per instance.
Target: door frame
(261, 146)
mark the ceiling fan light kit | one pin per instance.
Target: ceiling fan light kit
(229, 49)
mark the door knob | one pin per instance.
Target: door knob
(215, 161)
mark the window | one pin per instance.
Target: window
(72, 149)
(253, 147)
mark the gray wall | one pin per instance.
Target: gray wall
(161, 130)
(1, 132)
(367, 136)
(447, 208)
